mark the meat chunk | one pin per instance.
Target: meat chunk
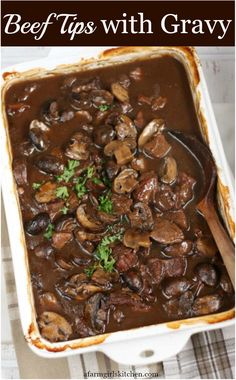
(78, 147)
(121, 204)
(159, 269)
(183, 249)
(184, 189)
(147, 188)
(157, 146)
(207, 304)
(178, 217)
(166, 232)
(60, 239)
(124, 297)
(126, 258)
(54, 327)
(180, 307)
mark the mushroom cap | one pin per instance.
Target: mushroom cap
(169, 171)
(136, 238)
(126, 181)
(87, 221)
(156, 125)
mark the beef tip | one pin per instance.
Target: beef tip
(207, 304)
(78, 147)
(124, 297)
(165, 199)
(160, 269)
(166, 232)
(158, 103)
(140, 163)
(112, 169)
(183, 249)
(20, 171)
(147, 188)
(82, 328)
(184, 189)
(139, 120)
(103, 135)
(175, 267)
(49, 164)
(126, 258)
(54, 327)
(178, 217)
(44, 250)
(121, 204)
(133, 280)
(46, 192)
(72, 202)
(96, 312)
(38, 224)
(54, 209)
(206, 246)
(157, 146)
(60, 239)
(207, 273)
(141, 216)
(118, 316)
(180, 307)
(225, 283)
(175, 287)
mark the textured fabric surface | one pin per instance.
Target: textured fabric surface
(208, 355)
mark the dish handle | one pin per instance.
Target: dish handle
(147, 350)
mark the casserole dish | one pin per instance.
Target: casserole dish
(144, 338)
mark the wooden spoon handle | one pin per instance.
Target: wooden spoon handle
(222, 239)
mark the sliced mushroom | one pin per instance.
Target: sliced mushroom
(83, 236)
(54, 327)
(107, 218)
(169, 171)
(207, 274)
(120, 150)
(38, 136)
(125, 182)
(79, 288)
(103, 135)
(136, 238)
(134, 280)
(46, 193)
(60, 239)
(120, 92)
(78, 148)
(206, 246)
(101, 97)
(183, 249)
(166, 232)
(95, 311)
(63, 265)
(20, 171)
(156, 125)
(86, 220)
(49, 164)
(38, 224)
(175, 287)
(126, 128)
(65, 223)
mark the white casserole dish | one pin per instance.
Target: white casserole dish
(155, 338)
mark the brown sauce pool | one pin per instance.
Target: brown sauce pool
(110, 254)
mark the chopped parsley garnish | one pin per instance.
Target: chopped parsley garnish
(80, 187)
(64, 210)
(105, 203)
(90, 270)
(97, 181)
(104, 107)
(104, 252)
(36, 185)
(69, 171)
(62, 192)
(49, 231)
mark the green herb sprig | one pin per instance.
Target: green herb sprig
(69, 171)
(49, 231)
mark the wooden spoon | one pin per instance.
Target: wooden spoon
(206, 202)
